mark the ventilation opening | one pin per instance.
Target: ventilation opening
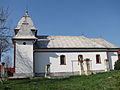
(24, 43)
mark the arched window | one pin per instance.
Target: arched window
(80, 58)
(98, 59)
(62, 60)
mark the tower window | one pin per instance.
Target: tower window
(24, 43)
(62, 60)
(98, 59)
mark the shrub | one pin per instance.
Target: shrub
(117, 65)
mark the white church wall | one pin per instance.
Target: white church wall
(24, 57)
(41, 59)
(53, 58)
(113, 57)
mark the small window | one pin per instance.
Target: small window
(80, 58)
(98, 59)
(62, 60)
(24, 43)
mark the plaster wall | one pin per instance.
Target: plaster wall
(113, 57)
(53, 58)
(24, 57)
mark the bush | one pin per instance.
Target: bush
(117, 65)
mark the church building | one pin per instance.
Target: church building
(59, 56)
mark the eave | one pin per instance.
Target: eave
(77, 50)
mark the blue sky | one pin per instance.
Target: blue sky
(93, 18)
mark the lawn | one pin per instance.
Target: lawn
(104, 81)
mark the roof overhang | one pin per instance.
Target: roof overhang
(77, 50)
(24, 38)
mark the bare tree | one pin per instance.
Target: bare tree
(5, 34)
(7, 61)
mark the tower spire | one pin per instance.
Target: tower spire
(26, 13)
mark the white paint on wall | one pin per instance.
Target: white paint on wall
(24, 57)
(53, 58)
(113, 57)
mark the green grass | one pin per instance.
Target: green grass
(105, 81)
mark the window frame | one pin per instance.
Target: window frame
(80, 56)
(64, 60)
(98, 59)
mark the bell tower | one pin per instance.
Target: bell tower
(25, 37)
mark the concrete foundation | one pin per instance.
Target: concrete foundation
(23, 75)
(65, 74)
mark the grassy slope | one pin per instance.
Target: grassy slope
(106, 81)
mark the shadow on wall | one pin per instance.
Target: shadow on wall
(42, 42)
(42, 59)
(111, 55)
(24, 65)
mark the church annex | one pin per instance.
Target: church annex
(36, 55)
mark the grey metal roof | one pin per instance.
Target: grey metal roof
(27, 19)
(25, 27)
(103, 42)
(71, 42)
(25, 32)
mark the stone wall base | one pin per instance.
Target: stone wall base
(57, 74)
(23, 75)
(64, 74)
(97, 71)
(52, 74)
